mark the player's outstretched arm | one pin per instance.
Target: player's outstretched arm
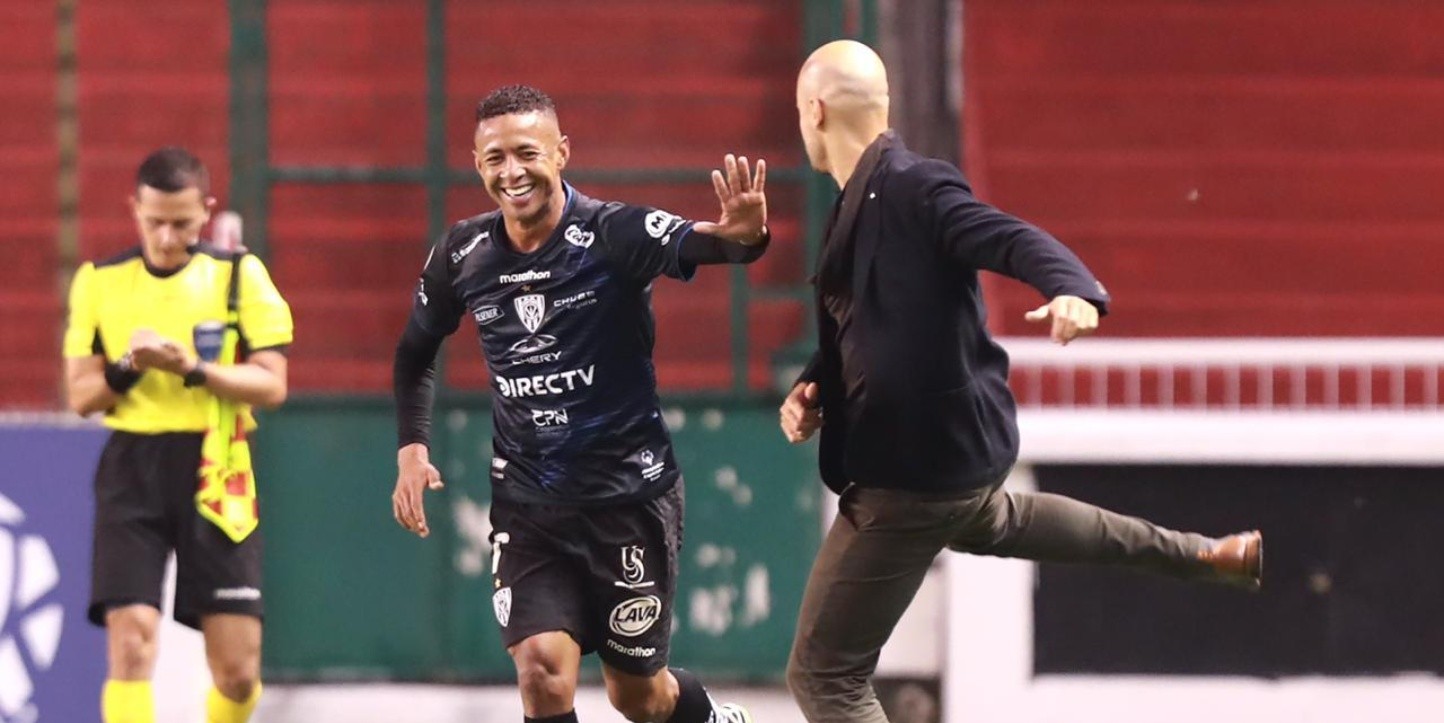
(743, 196)
(413, 379)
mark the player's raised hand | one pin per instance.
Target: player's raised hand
(744, 201)
(1072, 317)
(415, 474)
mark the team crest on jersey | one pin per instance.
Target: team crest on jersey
(501, 603)
(531, 308)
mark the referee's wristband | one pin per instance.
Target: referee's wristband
(120, 377)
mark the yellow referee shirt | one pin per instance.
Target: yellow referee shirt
(112, 299)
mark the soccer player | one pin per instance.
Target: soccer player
(919, 428)
(587, 497)
(143, 329)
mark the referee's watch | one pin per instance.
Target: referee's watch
(196, 377)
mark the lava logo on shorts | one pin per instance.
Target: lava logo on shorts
(632, 569)
(501, 603)
(636, 616)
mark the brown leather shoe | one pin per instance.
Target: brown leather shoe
(1236, 560)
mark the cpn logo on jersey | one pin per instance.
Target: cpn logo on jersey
(636, 616)
(531, 308)
(29, 627)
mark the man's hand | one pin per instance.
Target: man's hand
(415, 474)
(1072, 317)
(149, 350)
(801, 414)
(744, 202)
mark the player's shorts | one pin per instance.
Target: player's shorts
(145, 488)
(605, 575)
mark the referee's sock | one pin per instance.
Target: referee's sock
(220, 709)
(127, 701)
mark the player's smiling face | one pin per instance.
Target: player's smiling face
(520, 157)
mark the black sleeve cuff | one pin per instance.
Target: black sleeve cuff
(700, 249)
(120, 378)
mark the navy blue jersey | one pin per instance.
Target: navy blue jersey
(567, 332)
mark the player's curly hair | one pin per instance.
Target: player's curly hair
(514, 99)
(172, 169)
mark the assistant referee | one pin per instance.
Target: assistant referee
(136, 321)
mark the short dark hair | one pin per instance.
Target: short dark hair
(514, 99)
(172, 169)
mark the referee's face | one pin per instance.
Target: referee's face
(520, 157)
(169, 223)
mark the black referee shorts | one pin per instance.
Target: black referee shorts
(145, 490)
(605, 575)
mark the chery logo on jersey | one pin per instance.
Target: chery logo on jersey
(636, 616)
(543, 385)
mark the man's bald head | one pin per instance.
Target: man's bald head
(841, 94)
(846, 76)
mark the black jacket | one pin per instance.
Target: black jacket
(935, 414)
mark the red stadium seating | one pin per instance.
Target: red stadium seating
(1227, 169)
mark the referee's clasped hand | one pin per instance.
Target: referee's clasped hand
(1072, 317)
(415, 475)
(149, 350)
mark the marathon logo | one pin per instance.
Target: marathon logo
(636, 651)
(525, 276)
(544, 385)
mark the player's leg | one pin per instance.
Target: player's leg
(540, 603)
(633, 556)
(870, 566)
(1053, 528)
(233, 653)
(546, 673)
(218, 591)
(127, 573)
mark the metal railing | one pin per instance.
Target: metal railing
(1229, 374)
